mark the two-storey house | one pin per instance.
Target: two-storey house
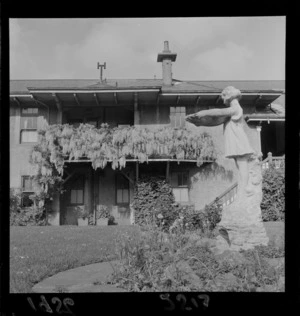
(144, 103)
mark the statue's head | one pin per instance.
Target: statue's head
(230, 93)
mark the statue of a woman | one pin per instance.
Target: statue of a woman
(237, 145)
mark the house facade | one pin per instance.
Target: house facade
(143, 103)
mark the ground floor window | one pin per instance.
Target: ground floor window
(179, 183)
(76, 190)
(122, 189)
(27, 191)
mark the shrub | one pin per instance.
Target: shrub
(154, 204)
(154, 196)
(273, 202)
(25, 216)
(205, 220)
(111, 220)
(102, 212)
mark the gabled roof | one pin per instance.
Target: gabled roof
(258, 86)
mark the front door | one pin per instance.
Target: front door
(73, 199)
(122, 200)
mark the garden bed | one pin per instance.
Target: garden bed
(185, 262)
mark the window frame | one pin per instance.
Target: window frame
(30, 115)
(177, 112)
(181, 187)
(76, 187)
(117, 188)
(26, 192)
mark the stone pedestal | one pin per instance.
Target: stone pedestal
(242, 219)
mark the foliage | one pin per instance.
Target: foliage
(154, 203)
(273, 203)
(111, 220)
(82, 212)
(205, 220)
(162, 262)
(153, 200)
(102, 212)
(24, 216)
(57, 143)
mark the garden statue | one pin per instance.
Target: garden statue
(242, 219)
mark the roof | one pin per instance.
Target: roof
(258, 86)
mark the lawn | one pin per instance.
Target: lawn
(37, 252)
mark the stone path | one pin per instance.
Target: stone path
(79, 280)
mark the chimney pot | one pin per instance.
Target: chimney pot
(166, 46)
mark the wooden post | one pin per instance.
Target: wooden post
(136, 110)
(96, 197)
(137, 171)
(167, 171)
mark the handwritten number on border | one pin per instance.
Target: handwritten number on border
(45, 307)
(165, 297)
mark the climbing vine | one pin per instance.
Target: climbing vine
(61, 143)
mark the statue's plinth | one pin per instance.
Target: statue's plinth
(242, 219)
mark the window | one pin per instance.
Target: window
(179, 183)
(29, 117)
(122, 188)
(77, 190)
(177, 116)
(27, 190)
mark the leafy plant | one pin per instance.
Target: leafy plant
(273, 187)
(153, 202)
(82, 212)
(160, 261)
(102, 212)
(111, 220)
(19, 216)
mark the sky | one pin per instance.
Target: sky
(219, 48)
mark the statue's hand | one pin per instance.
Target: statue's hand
(195, 117)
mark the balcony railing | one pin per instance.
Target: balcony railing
(230, 194)
(277, 162)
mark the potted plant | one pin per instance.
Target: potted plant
(82, 216)
(102, 215)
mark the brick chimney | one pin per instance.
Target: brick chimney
(166, 57)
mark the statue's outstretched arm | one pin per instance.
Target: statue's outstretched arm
(210, 117)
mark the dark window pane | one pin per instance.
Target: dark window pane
(26, 201)
(184, 179)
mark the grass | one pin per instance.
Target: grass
(38, 252)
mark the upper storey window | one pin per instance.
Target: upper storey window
(177, 116)
(29, 117)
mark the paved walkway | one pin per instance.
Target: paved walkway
(79, 280)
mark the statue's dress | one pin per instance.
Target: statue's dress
(235, 138)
